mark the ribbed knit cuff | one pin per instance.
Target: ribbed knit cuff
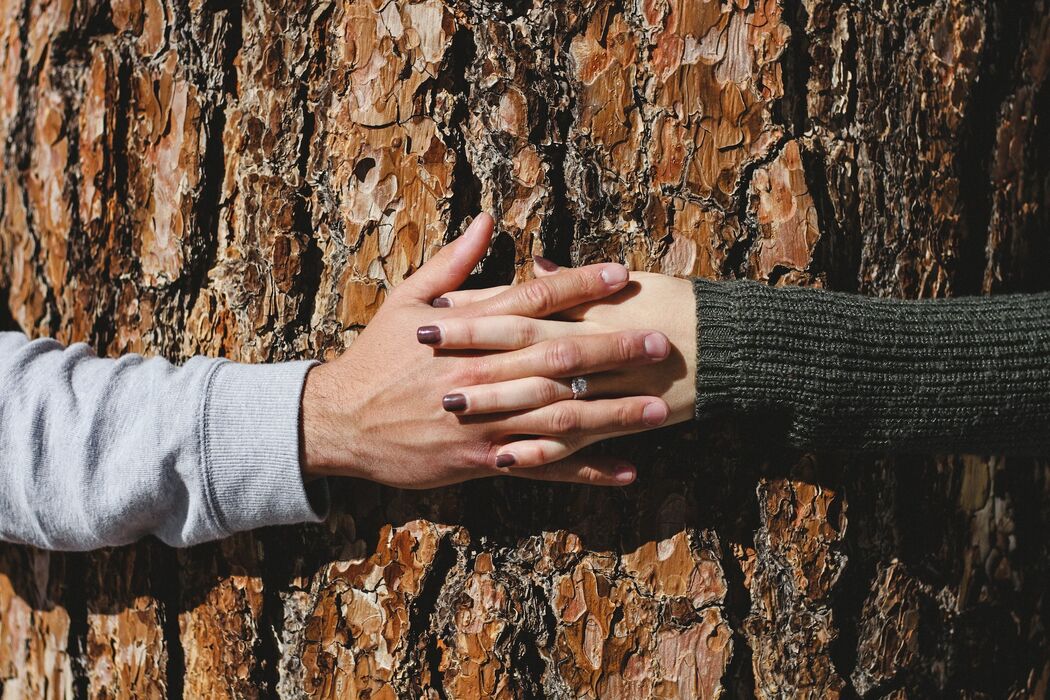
(847, 372)
(718, 347)
(250, 448)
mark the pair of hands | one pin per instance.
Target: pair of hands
(445, 386)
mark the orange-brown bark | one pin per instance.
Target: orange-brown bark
(250, 180)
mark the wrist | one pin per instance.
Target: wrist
(317, 453)
(678, 320)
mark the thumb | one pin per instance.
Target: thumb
(452, 265)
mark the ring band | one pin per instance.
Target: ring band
(579, 387)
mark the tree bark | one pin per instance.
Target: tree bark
(251, 180)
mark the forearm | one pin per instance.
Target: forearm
(98, 452)
(845, 372)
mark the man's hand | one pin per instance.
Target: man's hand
(384, 411)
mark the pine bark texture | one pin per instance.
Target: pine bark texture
(250, 180)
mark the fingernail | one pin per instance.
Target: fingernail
(431, 335)
(624, 474)
(545, 264)
(454, 402)
(442, 303)
(656, 346)
(614, 274)
(503, 461)
(654, 414)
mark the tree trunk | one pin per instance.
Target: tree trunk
(250, 181)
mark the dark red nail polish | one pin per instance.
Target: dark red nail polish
(545, 264)
(429, 335)
(454, 403)
(441, 303)
(504, 461)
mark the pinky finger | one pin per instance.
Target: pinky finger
(465, 297)
(536, 452)
(596, 471)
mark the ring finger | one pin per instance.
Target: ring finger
(530, 392)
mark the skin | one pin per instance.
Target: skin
(655, 301)
(376, 412)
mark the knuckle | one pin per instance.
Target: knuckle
(625, 347)
(539, 296)
(590, 284)
(462, 332)
(547, 391)
(569, 445)
(565, 419)
(485, 457)
(476, 370)
(525, 332)
(591, 475)
(564, 356)
(627, 416)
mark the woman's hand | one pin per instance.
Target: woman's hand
(651, 301)
(377, 412)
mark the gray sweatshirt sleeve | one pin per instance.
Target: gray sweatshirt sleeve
(97, 452)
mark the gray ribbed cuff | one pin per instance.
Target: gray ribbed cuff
(717, 346)
(250, 444)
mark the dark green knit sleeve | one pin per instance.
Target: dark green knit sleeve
(860, 374)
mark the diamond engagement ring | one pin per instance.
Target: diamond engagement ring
(579, 387)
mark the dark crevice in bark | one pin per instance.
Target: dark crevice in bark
(739, 678)
(421, 639)
(121, 227)
(168, 587)
(533, 661)
(78, 41)
(276, 572)
(997, 74)
(837, 254)
(735, 263)
(311, 263)
(75, 602)
(558, 234)
(209, 206)
(7, 320)
(452, 78)
(846, 598)
(560, 227)
(791, 110)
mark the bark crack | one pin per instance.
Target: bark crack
(736, 258)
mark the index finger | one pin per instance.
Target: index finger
(542, 297)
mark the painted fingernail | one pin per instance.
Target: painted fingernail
(442, 303)
(656, 346)
(431, 335)
(654, 414)
(545, 264)
(614, 274)
(454, 403)
(503, 461)
(624, 474)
